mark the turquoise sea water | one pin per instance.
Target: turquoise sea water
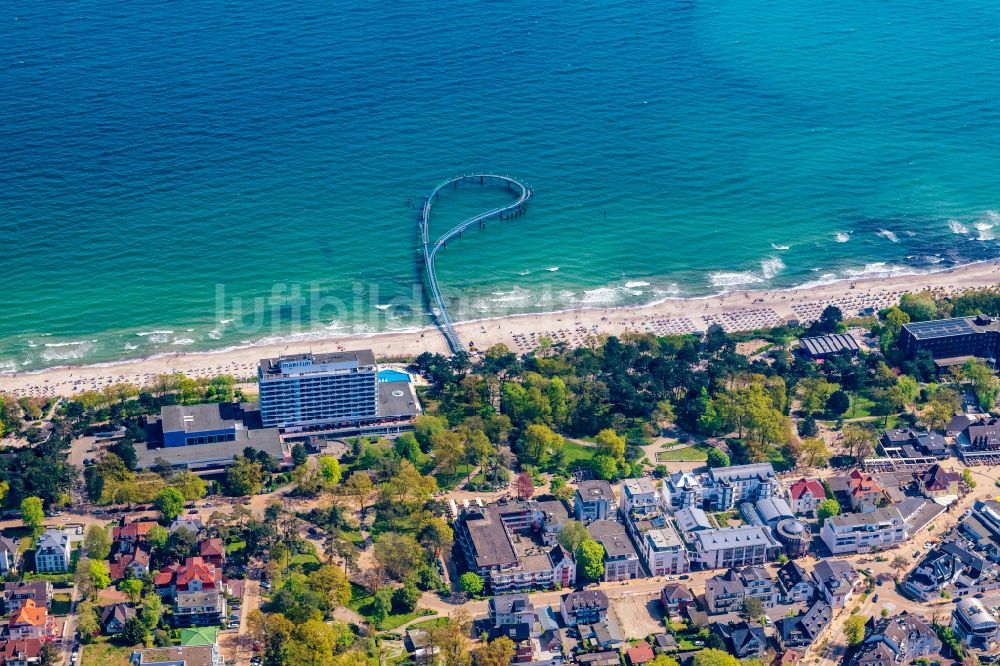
(171, 173)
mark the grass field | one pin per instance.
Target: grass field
(572, 451)
(361, 603)
(688, 453)
(104, 653)
(429, 624)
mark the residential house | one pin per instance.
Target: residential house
(179, 655)
(16, 593)
(136, 563)
(202, 608)
(724, 593)
(21, 653)
(743, 639)
(127, 535)
(682, 490)
(974, 625)
(52, 552)
(675, 598)
(876, 653)
(835, 580)
(639, 497)
(190, 523)
(621, 562)
(725, 486)
(936, 481)
(946, 567)
(805, 495)
(802, 630)
(604, 635)
(794, 584)
(757, 583)
(690, 520)
(594, 500)
(638, 654)
(10, 557)
(30, 621)
(607, 658)
(508, 609)
(865, 493)
(114, 617)
(213, 551)
(584, 607)
(908, 636)
(664, 643)
(663, 550)
(197, 575)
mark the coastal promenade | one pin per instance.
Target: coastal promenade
(431, 250)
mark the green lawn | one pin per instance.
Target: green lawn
(688, 453)
(573, 451)
(860, 407)
(104, 653)
(235, 546)
(361, 603)
(61, 604)
(429, 624)
(304, 558)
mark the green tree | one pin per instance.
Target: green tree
(170, 503)
(540, 444)
(329, 470)
(827, 509)
(967, 478)
(919, 307)
(813, 452)
(854, 629)
(99, 576)
(604, 467)
(192, 486)
(97, 542)
(713, 657)
(87, 621)
(135, 632)
(717, 458)
(838, 403)
(498, 652)
(33, 515)
(752, 608)
(471, 583)
(984, 381)
(244, 477)
(157, 537)
(590, 559)
(299, 454)
(152, 608)
(381, 607)
(664, 660)
(400, 554)
(405, 598)
(359, 486)
(572, 534)
(132, 588)
(611, 444)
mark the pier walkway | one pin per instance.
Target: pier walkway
(431, 249)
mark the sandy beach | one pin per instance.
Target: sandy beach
(745, 310)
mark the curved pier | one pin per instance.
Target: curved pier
(431, 250)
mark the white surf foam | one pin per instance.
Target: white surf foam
(553, 269)
(957, 227)
(636, 283)
(771, 267)
(842, 237)
(382, 307)
(885, 233)
(733, 279)
(985, 230)
(775, 246)
(143, 334)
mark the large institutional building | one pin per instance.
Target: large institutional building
(948, 339)
(340, 392)
(318, 389)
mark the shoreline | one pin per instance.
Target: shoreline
(734, 310)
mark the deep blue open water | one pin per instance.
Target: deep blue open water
(172, 172)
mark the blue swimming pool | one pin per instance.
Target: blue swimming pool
(389, 375)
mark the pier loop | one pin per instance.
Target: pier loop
(430, 250)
